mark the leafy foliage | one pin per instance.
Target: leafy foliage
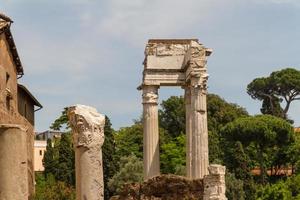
(66, 160)
(268, 134)
(131, 171)
(109, 157)
(61, 121)
(50, 160)
(234, 187)
(288, 189)
(129, 140)
(172, 115)
(50, 189)
(173, 155)
(283, 85)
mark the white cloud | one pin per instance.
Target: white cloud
(136, 20)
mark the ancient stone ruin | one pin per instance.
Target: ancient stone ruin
(172, 187)
(179, 62)
(88, 137)
(176, 63)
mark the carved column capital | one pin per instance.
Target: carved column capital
(150, 94)
(199, 81)
(87, 126)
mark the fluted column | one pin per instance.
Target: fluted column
(200, 160)
(151, 132)
(188, 130)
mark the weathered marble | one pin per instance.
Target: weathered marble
(188, 131)
(88, 137)
(177, 62)
(150, 132)
(214, 183)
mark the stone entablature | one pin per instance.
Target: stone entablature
(178, 62)
(173, 62)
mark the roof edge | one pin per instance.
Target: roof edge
(37, 103)
(11, 43)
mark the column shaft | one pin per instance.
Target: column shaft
(188, 131)
(199, 130)
(13, 162)
(151, 132)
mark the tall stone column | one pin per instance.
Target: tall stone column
(200, 160)
(188, 130)
(13, 162)
(88, 137)
(151, 132)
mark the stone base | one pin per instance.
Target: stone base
(172, 187)
(214, 183)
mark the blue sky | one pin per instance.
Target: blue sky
(91, 52)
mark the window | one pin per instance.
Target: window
(41, 152)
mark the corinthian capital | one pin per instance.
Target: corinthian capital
(199, 80)
(150, 94)
(87, 125)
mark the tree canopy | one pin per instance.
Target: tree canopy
(280, 86)
(266, 133)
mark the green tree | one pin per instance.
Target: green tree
(172, 115)
(266, 133)
(293, 154)
(129, 140)
(279, 191)
(61, 121)
(50, 160)
(219, 112)
(288, 189)
(109, 157)
(173, 155)
(234, 187)
(66, 160)
(280, 86)
(131, 171)
(50, 189)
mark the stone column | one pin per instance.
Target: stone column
(214, 183)
(188, 130)
(13, 162)
(199, 126)
(151, 132)
(88, 137)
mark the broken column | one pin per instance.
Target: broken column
(151, 132)
(88, 137)
(214, 183)
(13, 162)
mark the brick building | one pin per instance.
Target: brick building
(17, 107)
